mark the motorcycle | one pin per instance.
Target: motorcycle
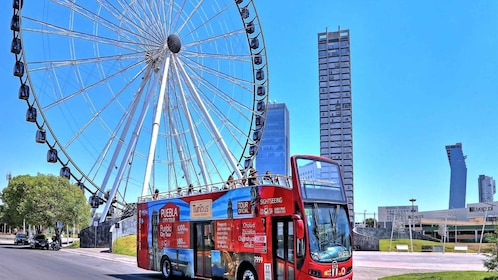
(55, 244)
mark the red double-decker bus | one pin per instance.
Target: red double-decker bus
(283, 228)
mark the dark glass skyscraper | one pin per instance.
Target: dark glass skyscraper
(274, 150)
(458, 179)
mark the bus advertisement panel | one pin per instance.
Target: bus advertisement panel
(249, 232)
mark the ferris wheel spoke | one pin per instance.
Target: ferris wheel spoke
(184, 158)
(155, 18)
(219, 37)
(182, 145)
(196, 66)
(188, 18)
(168, 15)
(180, 151)
(233, 57)
(89, 87)
(241, 110)
(133, 17)
(239, 107)
(218, 139)
(96, 18)
(221, 116)
(213, 89)
(49, 65)
(119, 14)
(207, 21)
(96, 115)
(65, 32)
(242, 83)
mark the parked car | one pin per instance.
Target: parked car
(39, 241)
(21, 239)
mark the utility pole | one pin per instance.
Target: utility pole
(412, 200)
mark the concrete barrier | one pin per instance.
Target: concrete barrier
(401, 247)
(460, 248)
(427, 248)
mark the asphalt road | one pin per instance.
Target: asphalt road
(21, 262)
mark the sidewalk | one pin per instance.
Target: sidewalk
(101, 253)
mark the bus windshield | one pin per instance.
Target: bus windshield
(320, 180)
(329, 232)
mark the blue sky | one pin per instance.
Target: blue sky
(424, 75)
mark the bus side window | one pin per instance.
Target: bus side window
(300, 247)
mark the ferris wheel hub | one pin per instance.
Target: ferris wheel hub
(174, 43)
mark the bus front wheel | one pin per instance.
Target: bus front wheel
(247, 273)
(166, 269)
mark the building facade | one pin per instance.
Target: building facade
(458, 177)
(487, 188)
(274, 150)
(401, 214)
(336, 124)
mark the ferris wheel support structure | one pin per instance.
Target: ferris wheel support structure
(129, 151)
(191, 126)
(124, 132)
(155, 126)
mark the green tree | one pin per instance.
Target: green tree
(491, 261)
(44, 200)
(371, 222)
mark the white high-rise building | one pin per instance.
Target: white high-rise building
(336, 124)
(487, 188)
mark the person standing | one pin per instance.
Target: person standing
(230, 184)
(252, 180)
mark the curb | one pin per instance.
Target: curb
(101, 253)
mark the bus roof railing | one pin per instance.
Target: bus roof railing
(263, 180)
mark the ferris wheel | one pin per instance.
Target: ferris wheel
(133, 96)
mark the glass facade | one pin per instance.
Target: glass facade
(487, 188)
(336, 123)
(274, 150)
(458, 177)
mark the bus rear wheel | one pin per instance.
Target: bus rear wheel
(166, 269)
(247, 273)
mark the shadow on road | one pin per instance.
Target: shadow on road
(154, 275)
(12, 246)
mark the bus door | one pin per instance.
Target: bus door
(283, 245)
(203, 244)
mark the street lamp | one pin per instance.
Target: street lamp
(484, 224)
(412, 200)
(392, 230)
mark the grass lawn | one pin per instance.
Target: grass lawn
(126, 245)
(417, 245)
(75, 244)
(384, 245)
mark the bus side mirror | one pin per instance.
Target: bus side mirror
(299, 228)
(299, 233)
